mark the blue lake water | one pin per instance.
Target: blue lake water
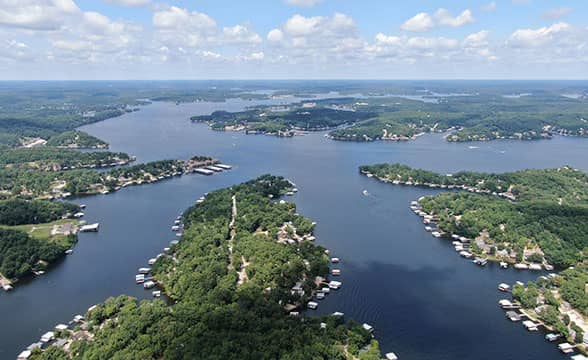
(423, 299)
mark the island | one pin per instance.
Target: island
(229, 277)
(531, 219)
(282, 121)
(463, 117)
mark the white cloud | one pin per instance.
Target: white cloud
(130, 3)
(418, 23)
(422, 22)
(490, 7)
(175, 17)
(35, 14)
(303, 3)
(256, 56)
(275, 35)
(383, 39)
(429, 43)
(444, 17)
(538, 37)
(240, 34)
(477, 39)
(299, 25)
(15, 50)
(556, 13)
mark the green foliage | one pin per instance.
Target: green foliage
(20, 254)
(264, 120)
(20, 212)
(53, 159)
(213, 317)
(76, 139)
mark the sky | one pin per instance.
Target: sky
(293, 39)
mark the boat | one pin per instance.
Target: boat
(326, 290)
(504, 287)
(90, 228)
(368, 327)
(503, 265)
(68, 252)
(156, 293)
(505, 303)
(144, 271)
(480, 261)
(151, 261)
(336, 272)
(566, 348)
(365, 192)
(139, 279)
(175, 228)
(391, 356)
(337, 313)
(531, 326)
(335, 285)
(552, 337)
(535, 267)
(335, 260)
(204, 171)
(513, 316)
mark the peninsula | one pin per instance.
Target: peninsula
(229, 277)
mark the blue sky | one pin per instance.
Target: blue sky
(204, 39)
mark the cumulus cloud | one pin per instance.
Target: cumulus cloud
(275, 36)
(526, 38)
(36, 14)
(418, 23)
(240, 34)
(444, 17)
(423, 21)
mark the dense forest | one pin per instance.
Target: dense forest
(53, 159)
(20, 253)
(230, 282)
(76, 139)
(563, 185)
(469, 117)
(20, 212)
(266, 121)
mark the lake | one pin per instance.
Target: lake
(424, 301)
